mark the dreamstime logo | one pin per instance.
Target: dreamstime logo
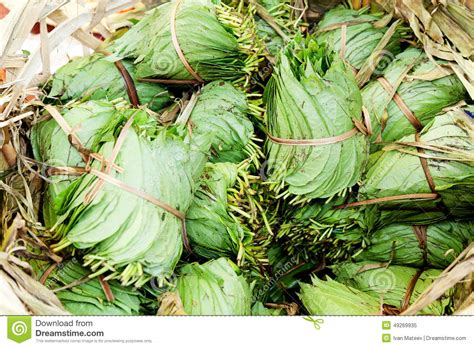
(19, 328)
(382, 280)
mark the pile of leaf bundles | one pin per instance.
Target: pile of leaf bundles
(122, 233)
(435, 246)
(96, 77)
(213, 288)
(220, 113)
(214, 40)
(359, 37)
(81, 295)
(413, 89)
(432, 170)
(21, 294)
(333, 298)
(312, 98)
(396, 286)
(213, 232)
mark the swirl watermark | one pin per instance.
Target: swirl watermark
(381, 280)
(19, 328)
(167, 64)
(381, 62)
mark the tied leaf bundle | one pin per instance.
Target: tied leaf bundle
(213, 288)
(435, 246)
(96, 77)
(313, 96)
(359, 37)
(212, 231)
(121, 231)
(411, 92)
(216, 42)
(81, 295)
(333, 298)
(431, 171)
(396, 286)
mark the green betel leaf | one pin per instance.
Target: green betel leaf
(333, 298)
(313, 95)
(398, 244)
(449, 151)
(95, 77)
(424, 86)
(213, 288)
(214, 39)
(391, 283)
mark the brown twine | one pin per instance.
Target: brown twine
(364, 127)
(415, 122)
(421, 233)
(314, 142)
(127, 79)
(129, 84)
(47, 273)
(409, 290)
(109, 295)
(177, 47)
(424, 165)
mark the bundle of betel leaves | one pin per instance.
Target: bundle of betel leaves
(413, 89)
(316, 148)
(168, 43)
(243, 157)
(429, 171)
(364, 40)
